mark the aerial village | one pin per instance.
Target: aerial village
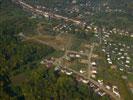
(84, 62)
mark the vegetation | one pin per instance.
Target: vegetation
(21, 75)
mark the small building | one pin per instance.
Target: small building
(77, 55)
(85, 81)
(108, 87)
(127, 61)
(121, 69)
(68, 73)
(101, 93)
(81, 71)
(94, 72)
(100, 82)
(93, 76)
(93, 63)
(42, 62)
(110, 62)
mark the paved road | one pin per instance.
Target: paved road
(101, 87)
(110, 93)
(43, 13)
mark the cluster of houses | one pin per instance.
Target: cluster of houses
(113, 88)
(116, 53)
(106, 31)
(97, 89)
(62, 28)
(48, 62)
(66, 72)
(74, 55)
(119, 54)
(109, 9)
(93, 70)
(91, 26)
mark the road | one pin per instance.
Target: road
(89, 60)
(101, 87)
(71, 51)
(40, 41)
(43, 13)
(110, 93)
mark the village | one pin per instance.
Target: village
(83, 63)
(64, 65)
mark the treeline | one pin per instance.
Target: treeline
(48, 84)
(16, 56)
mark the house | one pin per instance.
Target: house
(101, 93)
(128, 58)
(93, 76)
(85, 81)
(77, 55)
(131, 35)
(68, 73)
(81, 51)
(127, 66)
(57, 68)
(108, 59)
(125, 54)
(119, 53)
(121, 69)
(46, 15)
(63, 71)
(81, 71)
(127, 61)
(94, 72)
(110, 62)
(94, 56)
(108, 87)
(122, 57)
(72, 55)
(42, 62)
(103, 50)
(92, 85)
(116, 48)
(93, 63)
(89, 27)
(118, 58)
(121, 49)
(100, 82)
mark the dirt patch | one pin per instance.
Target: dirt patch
(19, 79)
(59, 42)
(130, 85)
